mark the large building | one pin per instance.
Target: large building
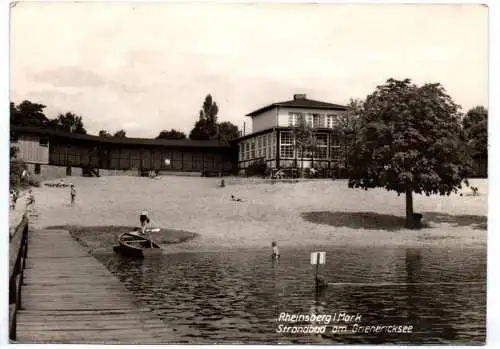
(51, 153)
(272, 138)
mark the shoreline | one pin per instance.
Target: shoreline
(100, 237)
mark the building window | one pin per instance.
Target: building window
(252, 150)
(319, 120)
(336, 150)
(44, 142)
(329, 120)
(321, 146)
(309, 120)
(286, 145)
(37, 169)
(68, 170)
(240, 152)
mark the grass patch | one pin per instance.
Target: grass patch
(107, 236)
(356, 220)
(473, 221)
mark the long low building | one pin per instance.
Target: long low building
(51, 153)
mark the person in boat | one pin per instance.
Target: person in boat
(73, 194)
(276, 252)
(144, 219)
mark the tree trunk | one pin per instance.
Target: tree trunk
(410, 219)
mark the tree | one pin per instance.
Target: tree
(475, 124)
(206, 126)
(348, 122)
(104, 133)
(304, 141)
(121, 134)
(16, 168)
(227, 131)
(410, 140)
(172, 134)
(69, 122)
(27, 114)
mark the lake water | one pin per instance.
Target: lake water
(237, 295)
(223, 288)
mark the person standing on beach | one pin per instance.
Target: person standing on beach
(73, 194)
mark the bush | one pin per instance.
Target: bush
(257, 168)
(16, 172)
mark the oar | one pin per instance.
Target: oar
(155, 230)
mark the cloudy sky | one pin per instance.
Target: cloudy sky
(147, 67)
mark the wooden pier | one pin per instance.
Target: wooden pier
(67, 296)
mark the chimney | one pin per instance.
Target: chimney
(299, 96)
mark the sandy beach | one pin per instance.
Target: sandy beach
(320, 212)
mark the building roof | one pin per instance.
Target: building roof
(299, 101)
(44, 131)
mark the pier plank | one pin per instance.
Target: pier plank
(69, 297)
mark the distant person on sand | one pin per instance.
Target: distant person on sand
(276, 252)
(73, 194)
(12, 200)
(144, 219)
(236, 199)
(30, 200)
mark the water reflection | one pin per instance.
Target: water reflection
(236, 296)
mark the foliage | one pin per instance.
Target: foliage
(304, 141)
(348, 122)
(206, 126)
(227, 131)
(257, 168)
(475, 124)
(104, 133)
(69, 122)
(172, 134)
(120, 134)
(28, 114)
(16, 169)
(409, 140)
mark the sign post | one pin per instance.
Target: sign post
(318, 258)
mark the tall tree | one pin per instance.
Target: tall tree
(27, 114)
(410, 140)
(227, 131)
(104, 133)
(475, 125)
(304, 141)
(206, 126)
(172, 134)
(210, 110)
(120, 133)
(69, 122)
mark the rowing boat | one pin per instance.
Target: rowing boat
(134, 244)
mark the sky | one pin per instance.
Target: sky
(145, 67)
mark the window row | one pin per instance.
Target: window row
(315, 120)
